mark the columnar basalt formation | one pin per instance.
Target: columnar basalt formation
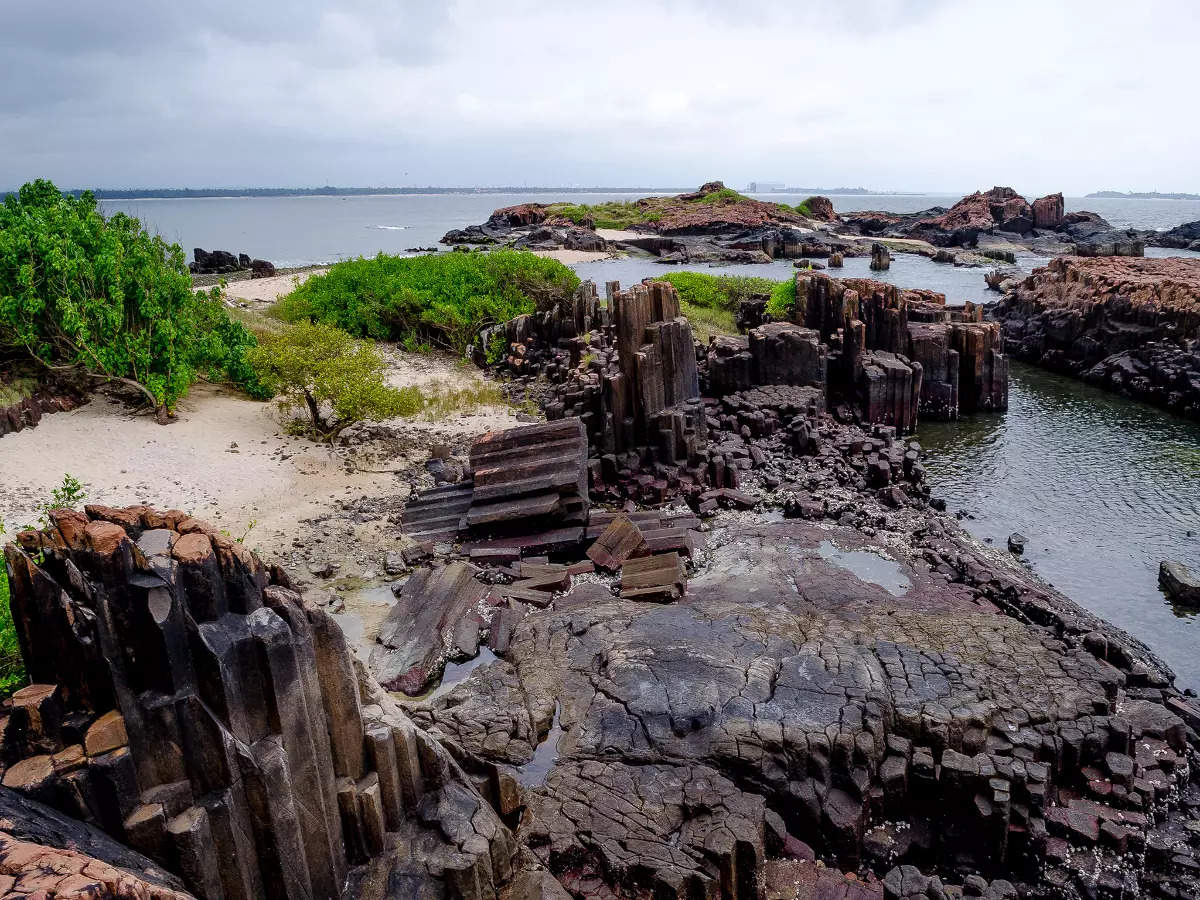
(187, 702)
(1130, 325)
(1048, 211)
(955, 361)
(858, 683)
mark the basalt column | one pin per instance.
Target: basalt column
(186, 702)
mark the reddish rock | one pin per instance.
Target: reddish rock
(821, 209)
(104, 537)
(192, 548)
(1048, 211)
(522, 214)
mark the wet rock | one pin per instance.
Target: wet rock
(881, 259)
(413, 637)
(1017, 542)
(1179, 582)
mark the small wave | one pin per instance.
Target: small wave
(389, 227)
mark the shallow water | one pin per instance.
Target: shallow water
(534, 772)
(1103, 487)
(867, 566)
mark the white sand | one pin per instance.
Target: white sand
(276, 480)
(265, 291)
(570, 257)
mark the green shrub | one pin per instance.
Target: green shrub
(443, 300)
(718, 291)
(79, 291)
(782, 300)
(333, 378)
(12, 666)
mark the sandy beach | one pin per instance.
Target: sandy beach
(228, 459)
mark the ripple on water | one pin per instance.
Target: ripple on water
(1103, 487)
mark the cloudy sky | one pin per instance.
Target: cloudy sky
(889, 94)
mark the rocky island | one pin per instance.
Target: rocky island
(716, 224)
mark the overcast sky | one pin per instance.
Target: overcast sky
(888, 94)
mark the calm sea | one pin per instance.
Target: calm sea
(298, 231)
(1104, 488)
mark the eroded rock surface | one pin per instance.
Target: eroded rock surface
(1130, 325)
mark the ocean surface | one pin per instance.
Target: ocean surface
(1104, 488)
(298, 231)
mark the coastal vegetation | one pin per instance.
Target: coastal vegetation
(12, 666)
(104, 298)
(440, 301)
(620, 215)
(711, 301)
(329, 376)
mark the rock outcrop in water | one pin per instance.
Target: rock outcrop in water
(1129, 325)
(711, 224)
(222, 262)
(1001, 214)
(1181, 237)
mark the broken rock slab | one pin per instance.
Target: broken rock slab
(413, 643)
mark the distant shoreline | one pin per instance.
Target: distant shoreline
(1138, 195)
(234, 193)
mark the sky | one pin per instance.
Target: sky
(910, 95)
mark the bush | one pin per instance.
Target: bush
(443, 300)
(782, 300)
(12, 665)
(718, 291)
(315, 367)
(104, 297)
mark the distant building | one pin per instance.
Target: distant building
(764, 187)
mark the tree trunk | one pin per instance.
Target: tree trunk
(160, 414)
(314, 411)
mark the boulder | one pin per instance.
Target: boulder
(1179, 582)
(1048, 211)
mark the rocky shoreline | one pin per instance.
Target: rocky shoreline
(1128, 325)
(716, 225)
(719, 642)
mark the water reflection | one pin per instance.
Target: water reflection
(1103, 487)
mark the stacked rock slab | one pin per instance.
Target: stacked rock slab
(186, 702)
(1130, 325)
(534, 473)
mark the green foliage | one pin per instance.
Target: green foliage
(717, 291)
(613, 214)
(783, 300)
(12, 666)
(67, 496)
(443, 299)
(81, 291)
(495, 349)
(16, 390)
(333, 378)
(722, 197)
(708, 321)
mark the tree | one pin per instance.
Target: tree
(103, 297)
(317, 367)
